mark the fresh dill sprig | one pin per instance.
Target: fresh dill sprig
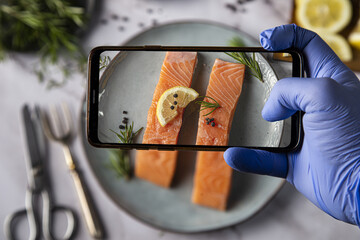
(104, 62)
(208, 105)
(249, 62)
(127, 135)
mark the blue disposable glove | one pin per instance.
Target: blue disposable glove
(326, 169)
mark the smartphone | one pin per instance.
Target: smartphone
(124, 92)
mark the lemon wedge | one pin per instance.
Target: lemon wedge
(354, 37)
(329, 16)
(339, 45)
(171, 100)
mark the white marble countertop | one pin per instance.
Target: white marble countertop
(288, 216)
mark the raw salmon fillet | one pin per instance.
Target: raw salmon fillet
(212, 178)
(155, 166)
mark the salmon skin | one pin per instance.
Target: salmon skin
(155, 166)
(212, 179)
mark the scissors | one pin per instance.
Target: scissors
(38, 187)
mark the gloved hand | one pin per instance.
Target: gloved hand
(326, 169)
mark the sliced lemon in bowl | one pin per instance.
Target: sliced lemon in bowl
(354, 40)
(329, 16)
(354, 37)
(339, 45)
(171, 100)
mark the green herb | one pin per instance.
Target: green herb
(104, 62)
(47, 26)
(120, 163)
(208, 105)
(120, 159)
(236, 42)
(244, 59)
(249, 62)
(127, 135)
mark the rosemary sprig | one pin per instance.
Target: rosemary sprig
(51, 28)
(236, 42)
(104, 62)
(249, 62)
(120, 159)
(127, 135)
(48, 24)
(120, 163)
(208, 105)
(244, 59)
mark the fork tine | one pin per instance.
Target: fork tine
(48, 130)
(67, 117)
(58, 121)
(57, 125)
(62, 121)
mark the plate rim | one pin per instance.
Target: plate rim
(189, 21)
(112, 197)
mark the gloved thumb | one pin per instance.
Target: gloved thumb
(257, 161)
(299, 94)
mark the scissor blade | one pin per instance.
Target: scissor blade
(35, 145)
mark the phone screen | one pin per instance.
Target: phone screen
(189, 98)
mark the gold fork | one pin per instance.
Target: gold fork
(59, 129)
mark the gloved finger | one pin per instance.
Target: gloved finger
(257, 161)
(300, 94)
(320, 59)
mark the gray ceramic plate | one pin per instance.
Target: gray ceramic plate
(171, 209)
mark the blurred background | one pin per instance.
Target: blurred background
(43, 51)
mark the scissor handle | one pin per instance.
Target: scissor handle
(48, 214)
(10, 224)
(48, 211)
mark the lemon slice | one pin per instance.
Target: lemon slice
(354, 40)
(329, 16)
(354, 37)
(339, 45)
(171, 100)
